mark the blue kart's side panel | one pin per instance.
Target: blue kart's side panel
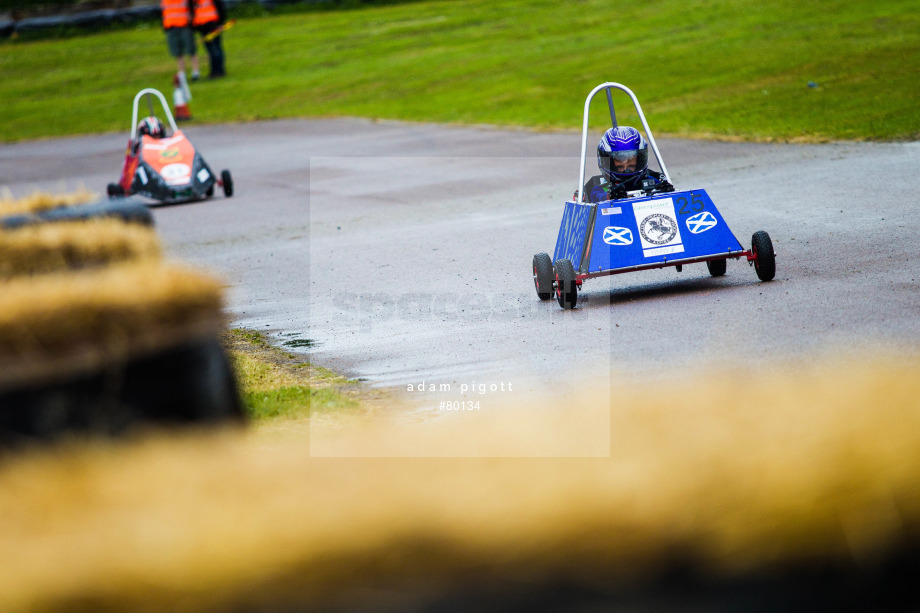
(570, 243)
(635, 232)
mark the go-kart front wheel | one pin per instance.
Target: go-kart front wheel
(717, 267)
(566, 289)
(227, 182)
(764, 258)
(115, 190)
(543, 276)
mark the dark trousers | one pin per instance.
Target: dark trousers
(216, 56)
(214, 48)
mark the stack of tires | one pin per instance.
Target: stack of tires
(98, 334)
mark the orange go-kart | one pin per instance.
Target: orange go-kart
(162, 164)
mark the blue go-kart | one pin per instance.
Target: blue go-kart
(648, 229)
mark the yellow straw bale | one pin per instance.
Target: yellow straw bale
(59, 323)
(45, 248)
(723, 474)
(41, 201)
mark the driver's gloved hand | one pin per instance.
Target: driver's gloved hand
(599, 194)
(664, 186)
(618, 191)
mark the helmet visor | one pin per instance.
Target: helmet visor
(623, 163)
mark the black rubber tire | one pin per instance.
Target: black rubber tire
(717, 267)
(566, 288)
(764, 258)
(543, 276)
(129, 209)
(227, 182)
(114, 190)
(190, 384)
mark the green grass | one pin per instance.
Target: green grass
(293, 402)
(274, 384)
(701, 68)
(253, 337)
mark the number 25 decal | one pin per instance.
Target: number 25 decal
(696, 203)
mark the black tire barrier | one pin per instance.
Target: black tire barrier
(105, 17)
(127, 209)
(192, 383)
(33, 24)
(101, 17)
(138, 13)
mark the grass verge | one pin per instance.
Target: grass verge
(279, 385)
(752, 69)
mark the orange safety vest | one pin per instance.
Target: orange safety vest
(205, 12)
(175, 13)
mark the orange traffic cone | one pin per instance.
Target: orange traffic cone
(181, 96)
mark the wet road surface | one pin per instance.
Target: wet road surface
(401, 253)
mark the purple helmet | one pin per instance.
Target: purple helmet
(618, 148)
(151, 126)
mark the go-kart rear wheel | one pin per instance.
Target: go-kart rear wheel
(543, 276)
(764, 258)
(566, 289)
(227, 182)
(115, 190)
(717, 267)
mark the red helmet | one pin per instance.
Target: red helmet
(152, 127)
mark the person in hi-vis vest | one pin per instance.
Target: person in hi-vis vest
(209, 16)
(177, 23)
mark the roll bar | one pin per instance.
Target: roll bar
(151, 92)
(613, 118)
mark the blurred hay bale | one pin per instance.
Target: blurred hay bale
(785, 489)
(61, 246)
(97, 335)
(108, 351)
(43, 201)
(57, 325)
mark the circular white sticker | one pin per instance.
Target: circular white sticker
(175, 173)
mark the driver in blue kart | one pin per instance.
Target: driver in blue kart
(622, 156)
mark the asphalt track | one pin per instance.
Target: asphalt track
(401, 253)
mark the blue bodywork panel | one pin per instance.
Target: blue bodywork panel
(633, 232)
(572, 233)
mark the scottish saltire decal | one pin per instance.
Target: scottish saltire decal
(614, 235)
(658, 229)
(701, 222)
